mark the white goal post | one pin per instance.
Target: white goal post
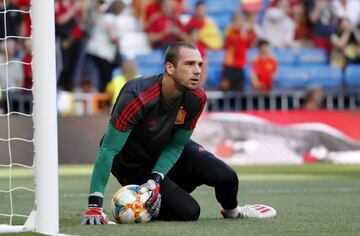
(45, 216)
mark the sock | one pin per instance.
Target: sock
(232, 213)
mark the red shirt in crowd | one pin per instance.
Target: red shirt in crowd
(160, 23)
(61, 9)
(265, 66)
(25, 6)
(195, 22)
(202, 49)
(236, 44)
(153, 8)
(27, 71)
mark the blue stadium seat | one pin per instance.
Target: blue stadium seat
(251, 53)
(148, 70)
(222, 20)
(216, 6)
(191, 6)
(150, 63)
(117, 71)
(215, 56)
(284, 56)
(292, 78)
(155, 57)
(247, 82)
(352, 76)
(311, 56)
(326, 76)
(225, 6)
(213, 77)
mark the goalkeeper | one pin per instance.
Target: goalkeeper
(147, 142)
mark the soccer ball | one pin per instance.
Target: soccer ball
(128, 205)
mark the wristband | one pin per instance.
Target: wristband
(95, 201)
(157, 177)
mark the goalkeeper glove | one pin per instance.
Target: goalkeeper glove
(94, 215)
(153, 187)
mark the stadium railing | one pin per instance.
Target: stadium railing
(278, 100)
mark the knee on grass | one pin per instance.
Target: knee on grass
(190, 213)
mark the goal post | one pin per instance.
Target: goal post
(45, 118)
(44, 218)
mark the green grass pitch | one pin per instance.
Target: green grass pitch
(314, 199)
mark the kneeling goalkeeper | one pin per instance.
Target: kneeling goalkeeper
(147, 142)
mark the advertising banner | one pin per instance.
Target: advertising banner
(281, 138)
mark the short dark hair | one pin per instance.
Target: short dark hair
(172, 52)
(199, 3)
(262, 42)
(116, 7)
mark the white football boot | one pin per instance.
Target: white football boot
(258, 211)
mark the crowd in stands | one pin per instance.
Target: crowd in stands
(95, 40)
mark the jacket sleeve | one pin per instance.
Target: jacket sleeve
(112, 143)
(172, 151)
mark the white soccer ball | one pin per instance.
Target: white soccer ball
(128, 205)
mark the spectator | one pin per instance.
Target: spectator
(129, 71)
(357, 36)
(314, 99)
(140, 8)
(165, 28)
(323, 22)
(27, 59)
(153, 7)
(302, 24)
(14, 75)
(237, 40)
(209, 33)
(349, 9)
(145, 9)
(251, 24)
(68, 18)
(13, 19)
(345, 45)
(263, 69)
(103, 45)
(276, 20)
(25, 29)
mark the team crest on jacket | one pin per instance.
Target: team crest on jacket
(180, 117)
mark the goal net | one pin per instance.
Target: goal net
(36, 106)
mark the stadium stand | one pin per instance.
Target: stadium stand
(251, 54)
(214, 72)
(352, 77)
(154, 57)
(298, 68)
(291, 77)
(285, 56)
(215, 66)
(213, 6)
(150, 63)
(215, 56)
(222, 19)
(226, 7)
(311, 56)
(328, 77)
